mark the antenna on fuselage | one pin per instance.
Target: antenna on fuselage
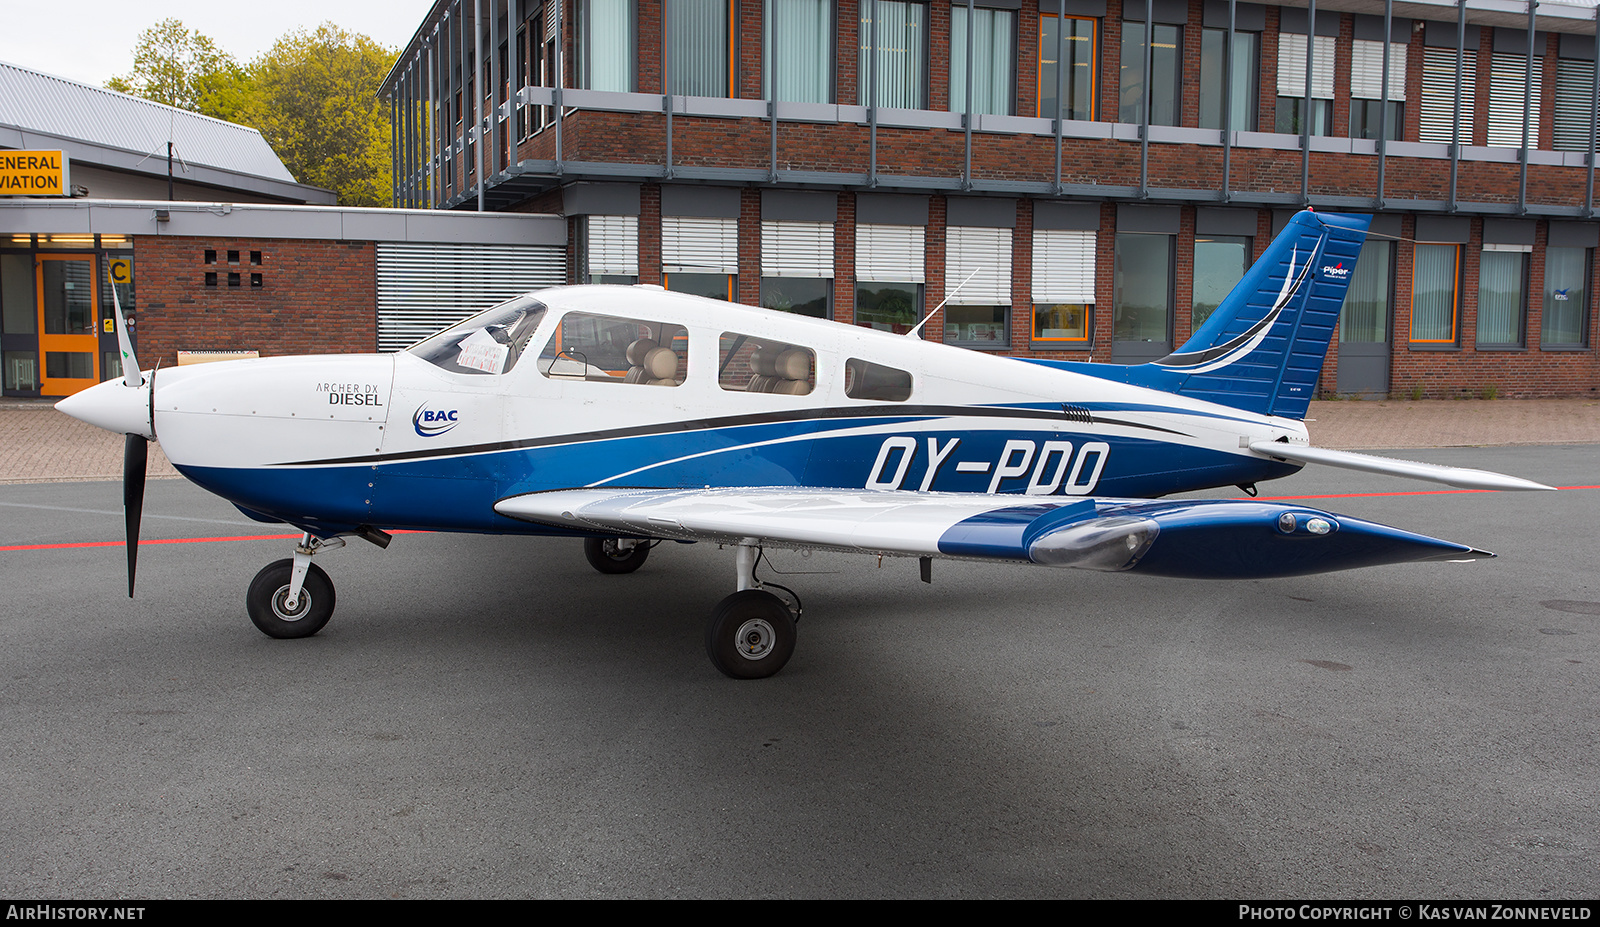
(947, 297)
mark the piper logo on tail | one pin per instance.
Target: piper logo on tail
(1338, 270)
(431, 423)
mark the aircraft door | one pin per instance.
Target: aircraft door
(440, 467)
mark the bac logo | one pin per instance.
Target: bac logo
(430, 423)
(1337, 271)
(1051, 469)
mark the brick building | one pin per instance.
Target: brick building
(218, 249)
(1073, 191)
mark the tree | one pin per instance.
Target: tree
(314, 97)
(182, 68)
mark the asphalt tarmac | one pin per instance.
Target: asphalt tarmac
(488, 717)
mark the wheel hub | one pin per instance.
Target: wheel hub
(281, 609)
(756, 639)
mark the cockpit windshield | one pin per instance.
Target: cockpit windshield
(488, 343)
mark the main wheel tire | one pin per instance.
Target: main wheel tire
(751, 635)
(269, 590)
(607, 556)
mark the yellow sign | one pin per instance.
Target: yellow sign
(34, 173)
(109, 326)
(121, 270)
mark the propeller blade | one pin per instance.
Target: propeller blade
(135, 454)
(130, 364)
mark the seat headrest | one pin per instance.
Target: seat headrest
(794, 364)
(638, 349)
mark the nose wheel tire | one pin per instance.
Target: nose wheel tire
(269, 594)
(611, 555)
(751, 635)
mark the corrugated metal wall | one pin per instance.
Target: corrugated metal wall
(425, 287)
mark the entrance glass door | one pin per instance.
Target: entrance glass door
(67, 336)
(1363, 369)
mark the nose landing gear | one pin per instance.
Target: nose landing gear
(293, 597)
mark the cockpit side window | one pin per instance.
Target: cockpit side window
(486, 344)
(752, 364)
(866, 380)
(613, 349)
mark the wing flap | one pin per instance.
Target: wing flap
(1461, 477)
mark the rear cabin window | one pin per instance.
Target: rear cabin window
(488, 343)
(751, 364)
(612, 349)
(866, 380)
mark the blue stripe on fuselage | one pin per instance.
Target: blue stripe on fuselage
(457, 493)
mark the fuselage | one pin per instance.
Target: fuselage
(554, 397)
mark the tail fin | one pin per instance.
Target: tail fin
(1262, 349)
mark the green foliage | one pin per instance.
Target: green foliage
(182, 68)
(313, 97)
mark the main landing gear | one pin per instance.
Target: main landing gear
(751, 634)
(293, 597)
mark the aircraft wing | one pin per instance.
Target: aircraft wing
(1462, 477)
(1200, 538)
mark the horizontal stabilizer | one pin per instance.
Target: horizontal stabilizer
(1461, 477)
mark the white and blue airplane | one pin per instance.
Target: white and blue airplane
(627, 416)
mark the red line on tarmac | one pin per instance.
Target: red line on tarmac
(244, 537)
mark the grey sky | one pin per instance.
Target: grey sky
(92, 40)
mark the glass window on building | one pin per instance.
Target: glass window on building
(1502, 296)
(978, 286)
(1367, 90)
(1510, 87)
(810, 296)
(894, 54)
(977, 326)
(1241, 98)
(1436, 119)
(1063, 287)
(605, 44)
(1574, 91)
(888, 307)
(1166, 74)
(1565, 320)
(1365, 115)
(1566, 297)
(804, 59)
(994, 60)
(1078, 43)
(1142, 287)
(699, 35)
(19, 313)
(1294, 113)
(1365, 316)
(711, 286)
(1219, 263)
(1435, 273)
(608, 249)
